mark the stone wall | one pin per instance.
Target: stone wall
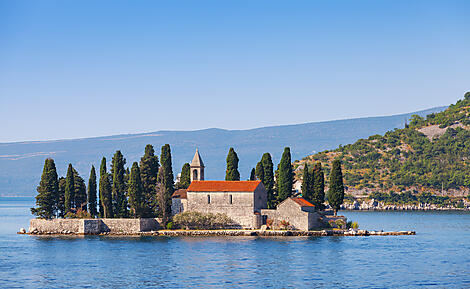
(93, 226)
(240, 209)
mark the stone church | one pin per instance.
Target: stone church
(245, 202)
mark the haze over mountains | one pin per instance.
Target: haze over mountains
(21, 163)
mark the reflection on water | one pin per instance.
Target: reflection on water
(437, 256)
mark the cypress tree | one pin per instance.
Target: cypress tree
(92, 193)
(307, 180)
(148, 173)
(318, 190)
(268, 178)
(135, 191)
(69, 190)
(48, 192)
(79, 191)
(253, 175)
(163, 196)
(259, 171)
(185, 178)
(119, 186)
(167, 178)
(285, 176)
(61, 202)
(232, 173)
(336, 187)
(106, 205)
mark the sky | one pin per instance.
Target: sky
(72, 69)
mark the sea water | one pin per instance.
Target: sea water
(437, 256)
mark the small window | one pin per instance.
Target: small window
(230, 199)
(208, 199)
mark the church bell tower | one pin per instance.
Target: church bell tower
(197, 168)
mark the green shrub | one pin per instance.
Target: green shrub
(79, 214)
(169, 226)
(202, 221)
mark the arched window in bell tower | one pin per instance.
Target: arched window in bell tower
(195, 175)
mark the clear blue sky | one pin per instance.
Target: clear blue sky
(91, 68)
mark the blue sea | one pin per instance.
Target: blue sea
(437, 257)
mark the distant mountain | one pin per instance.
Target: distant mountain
(430, 155)
(21, 162)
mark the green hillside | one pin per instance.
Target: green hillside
(430, 154)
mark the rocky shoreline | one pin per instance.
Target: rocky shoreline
(246, 233)
(374, 205)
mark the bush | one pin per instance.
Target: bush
(352, 225)
(169, 226)
(202, 221)
(284, 224)
(79, 214)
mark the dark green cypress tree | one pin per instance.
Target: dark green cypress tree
(48, 192)
(185, 178)
(166, 179)
(307, 184)
(61, 203)
(106, 204)
(92, 190)
(79, 191)
(336, 187)
(119, 186)
(259, 171)
(253, 175)
(318, 190)
(69, 190)
(163, 196)
(268, 179)
(232, 173)
(135, 191)
(148, 173)
(285, 176)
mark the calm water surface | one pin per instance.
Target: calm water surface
(438, 256)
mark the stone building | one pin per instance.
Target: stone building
(245, 202)
(298, 212)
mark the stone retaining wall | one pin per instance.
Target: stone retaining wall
(93, 226)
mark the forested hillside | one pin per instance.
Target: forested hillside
(431, 154)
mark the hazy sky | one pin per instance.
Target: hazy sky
(90, 68)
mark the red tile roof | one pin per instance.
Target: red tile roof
(223, 186)
(181, 193)
(303, 202)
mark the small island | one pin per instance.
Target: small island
(147, 201)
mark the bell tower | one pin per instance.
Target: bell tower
(197, 168)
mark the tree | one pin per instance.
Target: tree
(119, 186)
(163, 195)
(135, 190)
(92, 193)
(148, 173)
(69, 190)
(259, 171)
(106, 204)
(467, 95)
(253, 175)
(318, 190)
(285, 176)
(48, 192)
(268, 178)
(336, 187)
(185, 178)
(232, 173)
(307, 186)
(80, 198)
(61, 201)
(167, 178)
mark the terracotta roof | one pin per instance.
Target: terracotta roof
(303, 202)
(181, 193)
(223, 186)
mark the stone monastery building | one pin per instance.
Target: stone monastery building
(245, 202)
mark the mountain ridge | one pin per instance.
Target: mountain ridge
(21, 162)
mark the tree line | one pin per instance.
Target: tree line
(145, 190)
